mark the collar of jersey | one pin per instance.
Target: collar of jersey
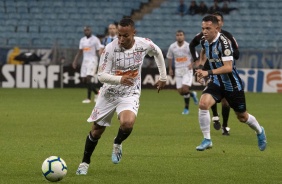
(218, 34)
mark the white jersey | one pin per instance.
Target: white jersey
(118, 61)
(182, 55)
(90, 46)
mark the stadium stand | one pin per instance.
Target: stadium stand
(43, 23)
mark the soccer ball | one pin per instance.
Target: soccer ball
(54, 168)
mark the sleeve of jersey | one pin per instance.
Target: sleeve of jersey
(105, 67)
(227, 54)
(193, 44)
(80, 44)
(159, 59)
(169, 53)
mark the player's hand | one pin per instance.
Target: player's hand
(127, 80)
(201, 74)
(170, 72)
(160, 85)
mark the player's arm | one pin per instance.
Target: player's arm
(169, 57)
(234, 44)
(159, 59)
(202, 59)
(170, 70)
(77, 56)
(193, 44)
(105, 67)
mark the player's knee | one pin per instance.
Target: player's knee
(203, 105)
(127, 125)
(224, 103)
(242, 118)
(97, 131)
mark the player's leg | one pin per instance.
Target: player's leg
(178, 80)
(89, 87)
(83, 75)
(94, 87)
(101, 115)
(127, 111)
(225, 115)
(210, 94)
(90, 144)
(184, 91)
(205, 103)
(237, 101)
(215, 117)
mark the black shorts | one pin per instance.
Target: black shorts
(236, 99)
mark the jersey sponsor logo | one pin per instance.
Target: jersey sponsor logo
(130, 73)
(225, 42)
(139, 49)
(181, 59)
(86, 49)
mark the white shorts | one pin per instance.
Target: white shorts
(183, 76)
(88, 68)
(105, 108)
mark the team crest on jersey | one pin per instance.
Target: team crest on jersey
(137, 57)
(227, 52)
(215, 51)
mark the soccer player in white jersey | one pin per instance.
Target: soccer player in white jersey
(91, 47)
(120, 71)
(180, 52)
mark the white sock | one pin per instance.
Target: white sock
(204, 120)
(253, 123)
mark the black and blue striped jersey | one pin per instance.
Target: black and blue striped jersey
(218, 52)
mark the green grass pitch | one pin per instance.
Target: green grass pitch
(38, 123)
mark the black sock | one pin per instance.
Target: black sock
(225, 115)
(122, 135)
(89, 89)
(90, 145)
(94, 88)
(186, 100)
(214, 110)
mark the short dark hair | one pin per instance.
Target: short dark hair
(126, 21)
(211, 18)
(180, 31)
(218, 14)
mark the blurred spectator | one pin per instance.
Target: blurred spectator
(13, 54)
(203, 9)
(182, 8)
(193, 8)
(225, 9)
(112, 34)
(214, 8)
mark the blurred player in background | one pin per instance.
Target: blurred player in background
(91, 47)
(120, 71)
(225, 82)
(179, 52)
(112, 34)
(224, 103)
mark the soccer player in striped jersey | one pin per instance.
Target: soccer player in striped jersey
(236, 54)
(179, 52)
(225, 82)
(120, 71)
